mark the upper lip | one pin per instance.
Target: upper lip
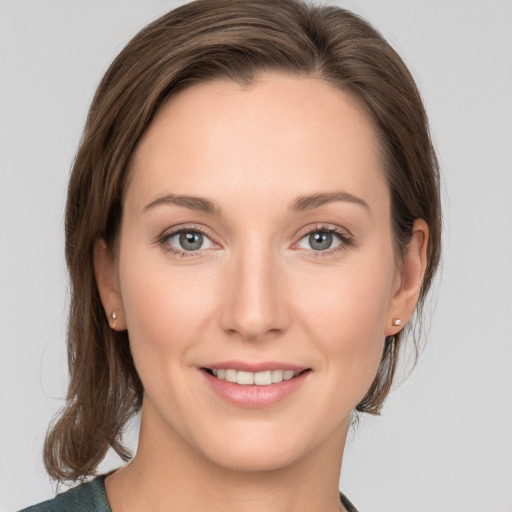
(255, 367)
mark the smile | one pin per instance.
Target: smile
(268, 385)
(245, 378)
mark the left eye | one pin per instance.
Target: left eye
(189, 240)
(320, 240)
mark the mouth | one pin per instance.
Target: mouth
(255, 384)
(261, 378)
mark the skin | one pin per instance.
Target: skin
(256, 291)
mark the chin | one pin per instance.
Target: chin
(249, 460)
(258, 450)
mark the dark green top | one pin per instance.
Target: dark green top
(91, 497)
(88, 497)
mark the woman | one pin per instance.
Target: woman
(253, 218)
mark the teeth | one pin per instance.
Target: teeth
(230, 375)
(288, 374)
(259, 379)
(277, 375)
(246, 378)
(263, 378)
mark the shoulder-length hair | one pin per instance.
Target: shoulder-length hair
(198, 42)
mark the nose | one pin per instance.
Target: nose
(255, 302)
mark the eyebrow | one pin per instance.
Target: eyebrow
(300, 204)
(200, 204)
(309, 202)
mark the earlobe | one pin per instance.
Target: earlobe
(412, 271)
(108, 287)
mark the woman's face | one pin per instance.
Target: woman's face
(256, 238)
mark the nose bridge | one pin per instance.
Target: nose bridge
(255, 304)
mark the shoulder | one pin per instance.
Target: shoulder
(88, 497)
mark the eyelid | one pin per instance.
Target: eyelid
(322, 226)
(174, 230)
(343, 234)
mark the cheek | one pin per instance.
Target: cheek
(166, 308)
(348, 303)
(346, 316)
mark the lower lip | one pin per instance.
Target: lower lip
(255, 396)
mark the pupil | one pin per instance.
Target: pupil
(191, 240)
(320, 241)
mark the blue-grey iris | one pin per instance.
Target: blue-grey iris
(191, 240)
(320, 241)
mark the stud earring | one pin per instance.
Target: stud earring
(397, 322)
(114, 320)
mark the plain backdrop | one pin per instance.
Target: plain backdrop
(444, 441)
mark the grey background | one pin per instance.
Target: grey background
(444, 441)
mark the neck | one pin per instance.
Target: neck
(169, 474)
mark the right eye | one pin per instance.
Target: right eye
(184, 241)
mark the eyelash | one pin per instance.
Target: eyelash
(345, 239)
(162, 241)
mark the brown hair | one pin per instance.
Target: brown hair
(197, 42)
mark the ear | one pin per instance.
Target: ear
(108, 286)
(409, 279)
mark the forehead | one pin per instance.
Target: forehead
(280, 135)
